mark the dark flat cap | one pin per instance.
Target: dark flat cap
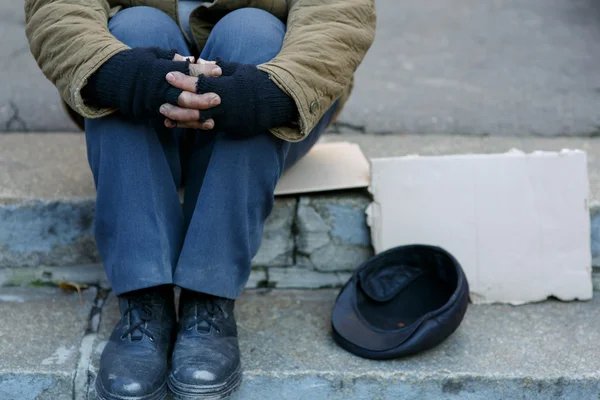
(400, 302)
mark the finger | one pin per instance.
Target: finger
(182, 81)
(203, 61)
(205, 126)
(198, 101)
(207, 69)
(179, 57)
(227, 68)
(179, 114)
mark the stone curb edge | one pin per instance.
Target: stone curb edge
(308, 242)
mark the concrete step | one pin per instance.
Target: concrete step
(50, 343)
(40, 342)
(514, 67)
(310, 241)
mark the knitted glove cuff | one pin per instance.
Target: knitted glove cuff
(250, 102)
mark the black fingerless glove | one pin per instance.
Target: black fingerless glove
(250, 102)
(134, 81)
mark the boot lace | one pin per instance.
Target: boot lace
(206, 312)
(143, 309)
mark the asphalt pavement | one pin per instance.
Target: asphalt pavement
(496, 67)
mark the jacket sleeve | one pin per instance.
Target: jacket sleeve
(70, 40)
(325, 42)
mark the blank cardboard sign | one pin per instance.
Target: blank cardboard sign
(518, 223)
(327, 166)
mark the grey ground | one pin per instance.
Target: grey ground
(508, 71)
(498, 67)
(40, 341)
(54, 166)
(539, 351)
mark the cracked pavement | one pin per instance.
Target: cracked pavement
(28, 102)
(501, 67)
(15, 123)
(51, 341)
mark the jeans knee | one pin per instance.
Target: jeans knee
(112, 135)
(144, 26)
(247, 35)
(263, 152)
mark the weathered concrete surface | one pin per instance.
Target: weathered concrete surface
(305, 278)
(54, 233)
(332, 231)
(538, 352)
(46, 201)
(277, 247)
(510, 67)
(89, 274)
(40, 337)
(44, 167)
(595, 232)
(28, 101)
(37, 233)
(516, 67)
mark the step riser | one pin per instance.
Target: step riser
(413, 388)
(19, 386)
(308, 242)
(317, 387)
(35, 233)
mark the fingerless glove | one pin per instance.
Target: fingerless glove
(134, 81)
(250, 102)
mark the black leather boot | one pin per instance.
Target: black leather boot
(133, 365)
(206, 358)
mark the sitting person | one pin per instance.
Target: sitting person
(208, 95)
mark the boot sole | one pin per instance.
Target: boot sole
(103, 394)
(182, 391)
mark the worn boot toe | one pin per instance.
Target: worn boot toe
(133, 365)
(205, 363)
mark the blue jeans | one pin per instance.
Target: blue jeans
(144, 236)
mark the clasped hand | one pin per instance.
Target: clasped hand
(187, 114)
(234, 98)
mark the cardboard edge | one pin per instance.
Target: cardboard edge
(324, 190)
(362, 159)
